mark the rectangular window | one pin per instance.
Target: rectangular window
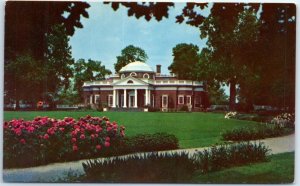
(188, 100)
(180, 99)
(165, 101)
(97, 98)
(110, 100)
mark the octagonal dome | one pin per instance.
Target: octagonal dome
(137, 66)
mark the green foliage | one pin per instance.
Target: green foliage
(225, 156)
(31, 21)
(279, 170)
(58, 59)
(184, 108)
(185, 59)
(172, 167)
(23, 77)
(130, 54)
(216, 94)
(88, 71)
(148, 168)
(246, 133)
(151, 142)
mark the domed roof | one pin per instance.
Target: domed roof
(137, 66)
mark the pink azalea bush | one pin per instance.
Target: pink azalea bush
(45, 140)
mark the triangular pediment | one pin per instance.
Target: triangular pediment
(130, 81)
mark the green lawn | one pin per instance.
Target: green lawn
(280, 169)
(192, 129)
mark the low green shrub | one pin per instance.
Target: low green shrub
(247, 133)
(147, 143)
(225, 156)
(172, 167)
(184, 108)
(148, 168)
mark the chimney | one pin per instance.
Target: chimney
(158, 69)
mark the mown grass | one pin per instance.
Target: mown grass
(280, 169)
(191, 129)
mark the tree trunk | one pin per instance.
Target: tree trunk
(232, 84)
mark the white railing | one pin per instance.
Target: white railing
(155, 82)
(177, 82)
(97, 83)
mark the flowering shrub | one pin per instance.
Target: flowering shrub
(284, 120)
(230, 115)
(44, 140)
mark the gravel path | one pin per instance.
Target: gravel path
(53, 172)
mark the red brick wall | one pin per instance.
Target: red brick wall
(171, 98)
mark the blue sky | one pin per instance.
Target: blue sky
(106, 32)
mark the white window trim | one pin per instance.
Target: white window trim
(162, 101)
(97, 96)
(190, 102)
(180, 96)
(144, 76)
(133, 74)
(110, 96)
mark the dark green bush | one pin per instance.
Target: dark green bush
(184, 108)
(148, 168)
(172, 168)
(224, 156)
(146, 143)
(247, 133)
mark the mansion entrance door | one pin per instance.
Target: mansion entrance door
(131, 101)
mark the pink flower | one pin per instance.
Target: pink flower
(73, 140)
(46, 136)
(75, 148)
(108, 129)
(82, 136)
(30, 129)
(18, 131)
(98, 147)
(106, 144)
(22, 141)
(107, 139)
(61, 129)
(92, 136)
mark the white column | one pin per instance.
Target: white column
(147, 95)
(114, 98)
(125, 98)
(135, 98)
(91, 99)
(117, 98)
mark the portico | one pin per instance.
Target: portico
(131, 97)
(131, 93)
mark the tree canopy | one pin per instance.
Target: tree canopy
(185, 60)
(59, 61)
(130, 54)
(88, 71)
(27, 22)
